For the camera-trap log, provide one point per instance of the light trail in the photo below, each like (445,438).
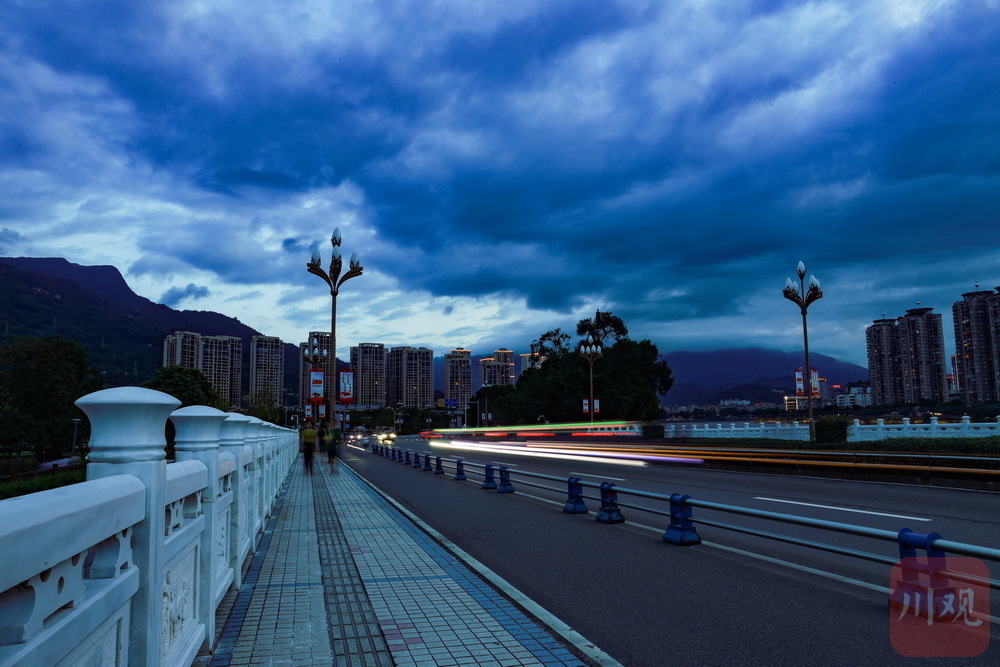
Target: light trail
(572,455)
(493,449)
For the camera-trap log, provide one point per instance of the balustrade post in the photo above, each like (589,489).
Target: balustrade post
(197,439)
(127,437)
(966,425)
(252,438)
(231,441)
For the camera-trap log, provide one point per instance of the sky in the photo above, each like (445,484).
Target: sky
(504,168)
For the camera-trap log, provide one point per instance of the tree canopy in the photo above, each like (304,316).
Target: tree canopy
(40,378)
(628,378)
(187,385)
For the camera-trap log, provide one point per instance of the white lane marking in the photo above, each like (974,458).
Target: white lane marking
(843,509)
(583,474)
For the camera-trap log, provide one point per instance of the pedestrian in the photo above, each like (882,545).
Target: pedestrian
(307,444)
(331,443)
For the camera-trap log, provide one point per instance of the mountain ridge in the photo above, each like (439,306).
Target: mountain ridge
(123,332)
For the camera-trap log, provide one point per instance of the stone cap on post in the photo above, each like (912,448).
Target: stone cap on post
(233,430)
(127,424)
(197,427)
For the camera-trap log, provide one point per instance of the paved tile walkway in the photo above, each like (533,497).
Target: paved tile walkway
(342,577)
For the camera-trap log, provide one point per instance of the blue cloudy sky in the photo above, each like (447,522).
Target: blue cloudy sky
(504,168)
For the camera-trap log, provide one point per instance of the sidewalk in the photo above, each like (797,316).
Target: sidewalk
(340,576)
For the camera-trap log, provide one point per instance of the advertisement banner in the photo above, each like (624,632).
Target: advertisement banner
(597,406)
(799,389)
(346,386)
(586,406)
(316,384)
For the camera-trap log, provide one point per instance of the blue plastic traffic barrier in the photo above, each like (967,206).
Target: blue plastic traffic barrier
(408,460)
(459,469)
(609,512)
(416,460)
(922,587)
(681,530)
(427,463)
(574,500)
(505,485)
(489,481)
(438,468)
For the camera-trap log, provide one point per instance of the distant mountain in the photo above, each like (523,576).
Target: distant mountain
(708,376)
(122,331)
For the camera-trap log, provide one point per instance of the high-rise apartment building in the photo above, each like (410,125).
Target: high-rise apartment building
(923,363)
(882,355)
(458,377)
(222,364)
(907,363)
(267,370)
(409,377)
(322,342)
(977,343)
(498,369)
(368,364)
(219,358)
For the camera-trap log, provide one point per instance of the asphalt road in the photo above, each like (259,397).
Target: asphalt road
(729,600)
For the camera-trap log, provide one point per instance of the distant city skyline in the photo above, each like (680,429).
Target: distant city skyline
(505,171)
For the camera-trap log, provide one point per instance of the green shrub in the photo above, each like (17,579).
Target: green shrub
(22,487)
(832,429)
(652,430)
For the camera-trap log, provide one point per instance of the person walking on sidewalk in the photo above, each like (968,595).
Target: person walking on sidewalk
(307,445)
(331,443)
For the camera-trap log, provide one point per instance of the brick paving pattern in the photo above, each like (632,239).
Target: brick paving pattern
(340,577)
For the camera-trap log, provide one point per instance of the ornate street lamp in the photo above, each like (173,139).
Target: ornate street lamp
(802,297)
(334,280)
(317,360)
(591,351)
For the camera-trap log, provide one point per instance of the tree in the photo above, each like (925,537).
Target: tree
(187,385)
(552,343)
(40,378)
(628,379)
(601,327)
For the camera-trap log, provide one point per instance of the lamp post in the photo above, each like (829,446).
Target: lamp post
(334,280)
(802,297)
(591,351)
(317,360)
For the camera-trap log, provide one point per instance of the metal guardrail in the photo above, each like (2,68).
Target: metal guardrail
(681,529)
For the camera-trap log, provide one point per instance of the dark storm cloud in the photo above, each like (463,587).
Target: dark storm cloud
(671,160)
(175,295)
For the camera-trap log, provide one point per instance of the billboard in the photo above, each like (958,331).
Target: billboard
(316,385)
(346,386)
(813,382)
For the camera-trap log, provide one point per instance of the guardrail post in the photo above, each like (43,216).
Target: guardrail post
(416,460)
(681,530)
(427,463)
(913,592)
(459,469)
(489,481)
(574,500)
(609,512)
(407,460)
(438,468)
(505,485)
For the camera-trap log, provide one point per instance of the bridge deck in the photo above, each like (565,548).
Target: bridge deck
(341,576)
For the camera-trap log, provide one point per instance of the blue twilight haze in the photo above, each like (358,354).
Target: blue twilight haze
(504,168)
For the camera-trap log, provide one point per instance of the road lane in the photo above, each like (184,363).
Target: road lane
(565,561)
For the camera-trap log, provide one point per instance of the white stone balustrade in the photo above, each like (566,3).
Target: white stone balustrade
(774,431)
(856,432)
(130,566)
